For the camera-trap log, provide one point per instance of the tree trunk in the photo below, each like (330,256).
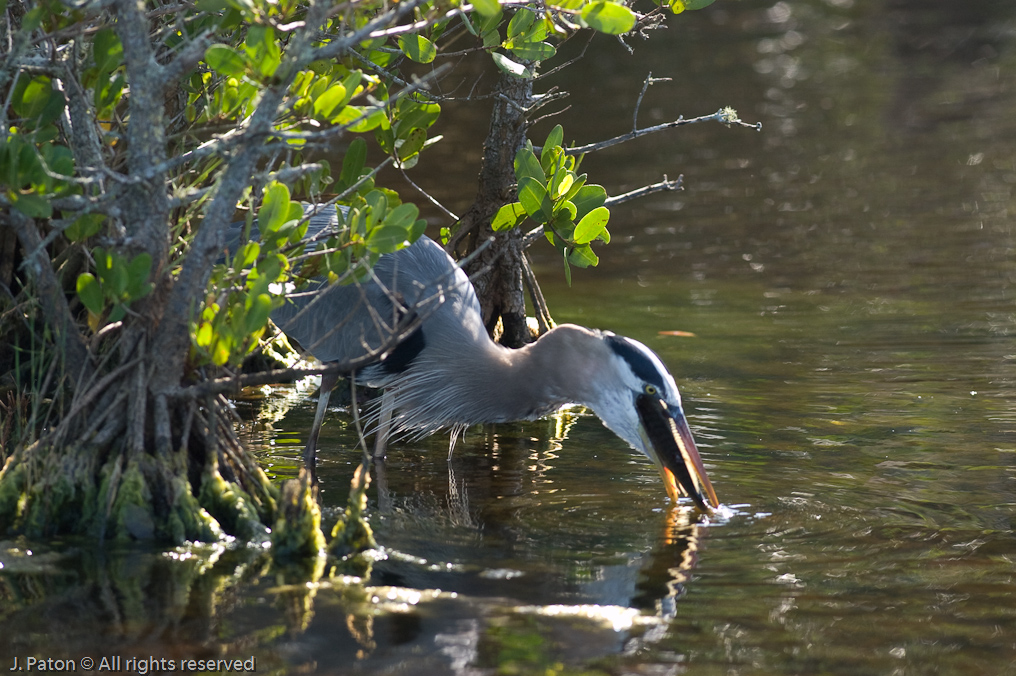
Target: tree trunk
(496,271)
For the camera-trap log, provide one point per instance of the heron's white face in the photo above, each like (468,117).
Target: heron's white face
(638,400)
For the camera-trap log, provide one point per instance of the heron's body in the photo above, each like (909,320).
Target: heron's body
(448,373)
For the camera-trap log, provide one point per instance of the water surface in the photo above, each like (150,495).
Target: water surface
(847,276)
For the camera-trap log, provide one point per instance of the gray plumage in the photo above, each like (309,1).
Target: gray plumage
(448,373)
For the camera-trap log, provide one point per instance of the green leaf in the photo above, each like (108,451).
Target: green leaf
(511,67)
(385,139)
(274,210)
(258,312)
(678,6)
(487,7)
(564,212)
(608,17)
(413,143)
(567,268)
(533,51)
(520,23)
(37,101)
(418,48)
(225,60)
(491,39)
(108,91)
(90,293)
(554,140)
(329,101)
(33,19)
(412,114)
(561,184)
(118,278)
(297,229)
(360,119)
(270,267)
(84,227)
(118,312)
(352,164)
(583,257)
(351,82)
(262,50)
(107,51)
(579,183)
(508,217)
(387,238)
(527,166)
(137,272)
(32,205)
(591,225)
(417,229)
(60,159)
(378,205)
(247,254)
(203,337)
(587,198)
(535,200)
(403,216)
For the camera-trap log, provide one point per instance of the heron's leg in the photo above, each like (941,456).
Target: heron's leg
(384,496)
(384,424)
(328,381)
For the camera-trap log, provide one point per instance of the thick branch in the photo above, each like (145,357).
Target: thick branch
(146,207)
(54,303)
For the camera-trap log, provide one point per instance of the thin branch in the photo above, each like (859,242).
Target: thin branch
(564,65)
(664,185)
(725,116)
(650,80)
(540,308)
(430,198)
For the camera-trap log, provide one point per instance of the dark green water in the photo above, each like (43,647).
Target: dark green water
(848,275)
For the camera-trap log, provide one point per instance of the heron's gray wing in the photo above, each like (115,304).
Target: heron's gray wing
(342,322)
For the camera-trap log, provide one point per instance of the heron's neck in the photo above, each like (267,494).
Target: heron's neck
(537,379)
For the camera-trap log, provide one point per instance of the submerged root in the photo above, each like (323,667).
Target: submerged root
(167,472)
(297,532)
(352,534)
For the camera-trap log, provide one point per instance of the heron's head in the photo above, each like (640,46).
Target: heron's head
(636,397)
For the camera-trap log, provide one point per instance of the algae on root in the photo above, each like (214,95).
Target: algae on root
(352,533)
(297,532)
(229,506)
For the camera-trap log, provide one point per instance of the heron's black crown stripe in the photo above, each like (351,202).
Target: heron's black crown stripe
(641,365)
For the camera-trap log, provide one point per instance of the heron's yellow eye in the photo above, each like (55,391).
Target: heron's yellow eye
(650,389)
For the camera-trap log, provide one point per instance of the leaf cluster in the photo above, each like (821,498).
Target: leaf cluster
(553,194)
(290,80)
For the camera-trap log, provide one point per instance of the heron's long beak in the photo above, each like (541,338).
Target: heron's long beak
(668,438)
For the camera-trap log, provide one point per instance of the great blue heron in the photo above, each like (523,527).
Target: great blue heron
(447,373)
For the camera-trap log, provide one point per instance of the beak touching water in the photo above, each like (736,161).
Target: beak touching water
(673,450)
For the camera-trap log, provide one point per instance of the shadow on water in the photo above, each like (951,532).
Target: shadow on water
(848,277)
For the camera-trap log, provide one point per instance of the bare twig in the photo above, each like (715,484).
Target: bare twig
(665,184)
(650,80)
(540,309)
(430,198)
(727,116)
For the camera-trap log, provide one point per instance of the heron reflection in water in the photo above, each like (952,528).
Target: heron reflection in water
(447,373)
